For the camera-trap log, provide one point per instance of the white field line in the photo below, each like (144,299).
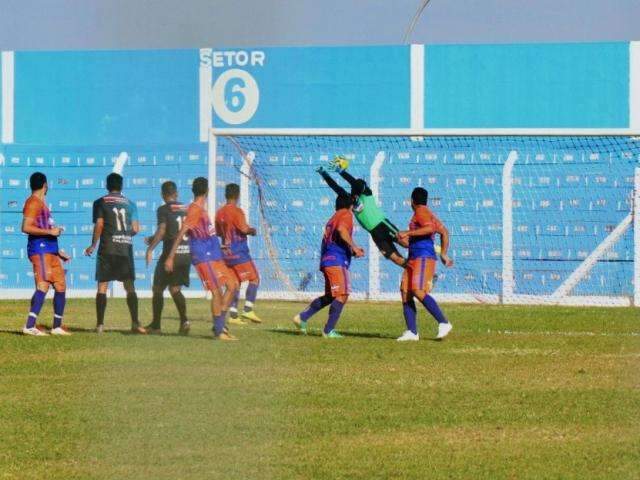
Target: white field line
(566,334)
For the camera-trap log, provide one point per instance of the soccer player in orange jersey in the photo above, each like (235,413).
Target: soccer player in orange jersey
(417,279)
(335,258)
(45,256)
(206,257)
(232,228)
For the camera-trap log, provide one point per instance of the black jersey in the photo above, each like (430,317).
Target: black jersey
(172,215)
(118,214)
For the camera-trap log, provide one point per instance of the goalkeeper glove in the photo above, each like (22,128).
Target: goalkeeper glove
(339,163)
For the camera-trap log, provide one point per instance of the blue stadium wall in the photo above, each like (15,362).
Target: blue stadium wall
(73,112)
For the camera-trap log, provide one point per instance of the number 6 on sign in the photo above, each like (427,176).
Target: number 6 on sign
(235,96)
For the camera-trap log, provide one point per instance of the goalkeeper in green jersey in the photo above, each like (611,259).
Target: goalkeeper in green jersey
(367,212)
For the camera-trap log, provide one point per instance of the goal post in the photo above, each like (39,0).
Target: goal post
(537,216)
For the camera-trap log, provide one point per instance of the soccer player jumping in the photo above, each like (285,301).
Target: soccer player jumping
(367,212)
(43,252)
(335,258)
(170,219)
(417,278)
(206,256)
(231,226)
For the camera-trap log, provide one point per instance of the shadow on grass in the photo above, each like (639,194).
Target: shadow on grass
(296,333)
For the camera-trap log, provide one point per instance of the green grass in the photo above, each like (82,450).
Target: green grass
(514,393)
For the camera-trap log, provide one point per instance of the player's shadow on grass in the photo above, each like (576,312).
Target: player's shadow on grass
(11,332)
(295,333)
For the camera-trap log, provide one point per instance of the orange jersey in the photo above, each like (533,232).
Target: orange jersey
(230,225)
(423,246)
(203,243)
(37,210)
(334,252)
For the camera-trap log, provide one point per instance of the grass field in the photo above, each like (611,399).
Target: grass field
(513,393)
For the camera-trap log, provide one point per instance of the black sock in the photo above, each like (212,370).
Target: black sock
(132,303)
(101,307)
(157,303)
(181,305)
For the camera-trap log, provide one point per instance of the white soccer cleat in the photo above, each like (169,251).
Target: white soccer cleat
(408,336)
(443,330)
(34,332)
(60,332)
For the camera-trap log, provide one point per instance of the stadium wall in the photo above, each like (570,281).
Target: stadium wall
(70,113)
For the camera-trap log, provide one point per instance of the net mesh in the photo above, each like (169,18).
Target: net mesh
(570,194)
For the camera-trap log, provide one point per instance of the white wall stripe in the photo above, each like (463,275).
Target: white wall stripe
(7,60)
(417,86)
(634,85)
(206,76)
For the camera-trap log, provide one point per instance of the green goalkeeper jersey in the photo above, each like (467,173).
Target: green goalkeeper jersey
(367,212)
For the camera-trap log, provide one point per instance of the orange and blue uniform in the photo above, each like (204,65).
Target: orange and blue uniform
(421,265)
(335,255)
(206,255)
(230,225)
(43,249)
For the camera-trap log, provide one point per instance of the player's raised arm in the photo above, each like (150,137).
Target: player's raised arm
(331,182)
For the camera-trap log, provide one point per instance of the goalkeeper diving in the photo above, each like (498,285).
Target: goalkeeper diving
(366,210)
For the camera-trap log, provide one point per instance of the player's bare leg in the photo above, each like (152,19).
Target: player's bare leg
(101,305)
(132,304)
(231,290)
(397,259)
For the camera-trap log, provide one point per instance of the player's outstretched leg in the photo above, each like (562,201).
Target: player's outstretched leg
(132,304)
(300,320)
(101,305)
(181,306)
(335,310)
(37,300)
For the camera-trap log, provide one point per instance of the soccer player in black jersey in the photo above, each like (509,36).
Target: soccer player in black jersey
(115,220)
(170,219)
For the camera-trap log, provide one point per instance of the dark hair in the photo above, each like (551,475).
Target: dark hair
(359,186)
(37,181)
(114,182)
(419,196)
(343,201)
(200,186)
(169,188)
(231,191)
